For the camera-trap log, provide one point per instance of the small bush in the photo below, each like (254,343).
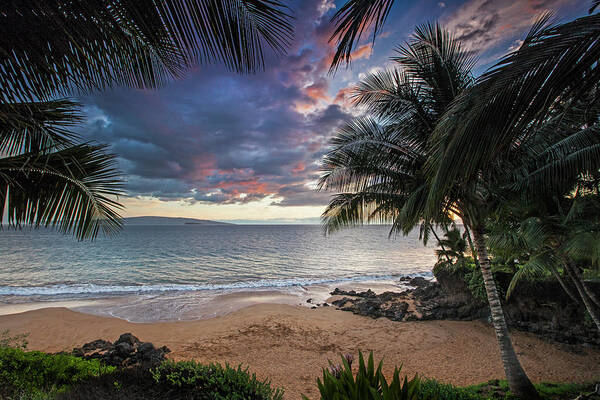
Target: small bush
(339,382)
(214,381)
(440,391)
(498,390)
(36,373)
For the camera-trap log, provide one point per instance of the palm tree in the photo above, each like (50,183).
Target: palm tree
(453,246)
(546,114)
(507,116)
(52,49)
(548,234)
(554,69)
(377,163)
(381,167)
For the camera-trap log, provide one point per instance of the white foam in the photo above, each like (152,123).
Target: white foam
(94,289)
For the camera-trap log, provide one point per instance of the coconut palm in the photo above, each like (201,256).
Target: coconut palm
(551,234)
(380,165)
(52,49)
(546,112)
(376,162)
(507,116)
(453,246)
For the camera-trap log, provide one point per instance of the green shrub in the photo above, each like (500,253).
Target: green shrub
(35,372)
(339,382)
(214,381)
(433,389)
(498,390)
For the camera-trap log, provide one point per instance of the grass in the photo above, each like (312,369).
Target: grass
(498,390)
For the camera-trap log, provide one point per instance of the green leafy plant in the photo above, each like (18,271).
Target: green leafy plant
(35,372)
(215,381)
(443,391)
(339,382)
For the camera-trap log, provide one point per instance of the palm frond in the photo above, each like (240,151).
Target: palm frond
(354,20)
(377,161)
(555,64)
(84,45)
(584,244)
(72,189)
(355,209)
(534,268)
(435,56)
(39,126)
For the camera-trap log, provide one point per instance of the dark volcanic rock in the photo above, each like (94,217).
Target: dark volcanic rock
(126,351)
(542,307)
(367,294)
(375,306)
(98,344)
(127,338)
(418,281)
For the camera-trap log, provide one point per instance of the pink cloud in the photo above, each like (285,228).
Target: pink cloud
(363,51)
(318,91)
(299,168)
(483,24)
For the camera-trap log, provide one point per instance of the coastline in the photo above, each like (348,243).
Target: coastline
(263,336)
(198,304)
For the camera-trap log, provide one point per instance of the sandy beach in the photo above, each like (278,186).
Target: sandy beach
(289,344)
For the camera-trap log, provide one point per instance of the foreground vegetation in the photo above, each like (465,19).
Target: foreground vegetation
(36,375)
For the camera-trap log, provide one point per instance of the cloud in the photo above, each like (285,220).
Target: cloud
(220,138)
(362,51)
(484,24)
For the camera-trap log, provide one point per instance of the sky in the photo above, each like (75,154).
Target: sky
(246,148)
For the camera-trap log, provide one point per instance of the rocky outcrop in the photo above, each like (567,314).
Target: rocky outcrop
(126,351)
(539,307)
(388,304)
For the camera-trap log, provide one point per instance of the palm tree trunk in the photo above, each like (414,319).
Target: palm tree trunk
(589,306)
(473,252)
(563,284)
(518,382)
(585,287)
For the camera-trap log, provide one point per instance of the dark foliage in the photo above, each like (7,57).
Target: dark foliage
(36,372)
(176,381)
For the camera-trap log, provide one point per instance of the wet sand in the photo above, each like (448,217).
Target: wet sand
(290,344)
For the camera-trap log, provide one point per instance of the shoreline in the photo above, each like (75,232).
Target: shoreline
(199,304)
(290,344)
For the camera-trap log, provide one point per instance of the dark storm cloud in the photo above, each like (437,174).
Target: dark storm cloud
(220,138)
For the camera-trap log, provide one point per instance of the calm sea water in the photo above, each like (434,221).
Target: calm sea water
(41,265)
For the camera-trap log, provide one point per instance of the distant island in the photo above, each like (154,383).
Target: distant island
(170,221)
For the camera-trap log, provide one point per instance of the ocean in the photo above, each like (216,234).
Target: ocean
(149,273)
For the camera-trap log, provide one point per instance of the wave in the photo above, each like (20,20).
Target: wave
(94,289)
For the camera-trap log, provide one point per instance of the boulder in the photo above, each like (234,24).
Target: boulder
(127,338)
(126,351)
